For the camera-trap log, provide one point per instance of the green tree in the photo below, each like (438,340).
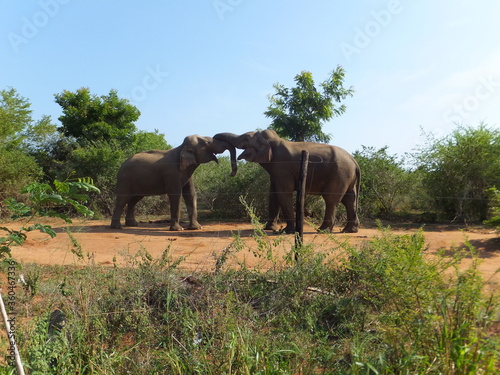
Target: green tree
(15,117)
(385,183)
(97,134)
(145,141)
(459,168)
(38,134)
(90,118)
(17,167)
(298,113)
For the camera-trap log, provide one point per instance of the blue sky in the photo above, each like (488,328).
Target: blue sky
(207,66)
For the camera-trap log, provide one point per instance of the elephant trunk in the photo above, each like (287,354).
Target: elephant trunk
(234,139)
(234,165)
(221,145)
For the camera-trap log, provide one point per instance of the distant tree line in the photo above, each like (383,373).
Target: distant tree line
(452,178)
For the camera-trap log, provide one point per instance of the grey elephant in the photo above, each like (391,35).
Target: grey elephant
(332,173)
(168,172)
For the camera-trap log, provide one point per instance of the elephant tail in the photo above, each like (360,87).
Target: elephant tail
(358,183)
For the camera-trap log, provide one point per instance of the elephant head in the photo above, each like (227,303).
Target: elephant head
(257,145)
(197,150)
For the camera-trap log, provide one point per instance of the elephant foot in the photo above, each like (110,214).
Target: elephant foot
(272,226)
(131,223)
(325,228)
(176,227)
(116,225)
(194,226)
(349,229)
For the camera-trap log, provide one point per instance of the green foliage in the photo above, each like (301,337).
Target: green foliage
(219,192)
(428,322)
(16,170)
(17,167)
(494,220)
(459,168)
(145,141)
(90,118)
(15,117)
(45,201)
(385,183)
(37,135)
(382,308)
(298,113)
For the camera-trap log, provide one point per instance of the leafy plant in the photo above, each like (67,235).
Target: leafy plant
(459,168)
(45,201)
(219,193)
(494,220)
(386,185)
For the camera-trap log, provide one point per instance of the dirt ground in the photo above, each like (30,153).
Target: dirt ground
(103,245)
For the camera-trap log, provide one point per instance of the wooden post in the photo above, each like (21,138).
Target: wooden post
(301,193)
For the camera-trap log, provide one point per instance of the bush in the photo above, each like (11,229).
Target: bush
(494,220)
(17,169)
(386,186)
(459,168)
(428,315)
(219,192)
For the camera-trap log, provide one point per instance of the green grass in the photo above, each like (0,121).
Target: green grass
(381,308)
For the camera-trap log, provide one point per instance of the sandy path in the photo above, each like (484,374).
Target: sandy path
(104,244)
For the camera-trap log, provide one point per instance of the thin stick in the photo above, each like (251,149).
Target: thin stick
(11,338)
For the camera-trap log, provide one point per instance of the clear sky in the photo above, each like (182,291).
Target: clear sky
(207,66)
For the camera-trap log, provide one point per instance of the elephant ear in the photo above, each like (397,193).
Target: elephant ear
(264,152)
(187,158)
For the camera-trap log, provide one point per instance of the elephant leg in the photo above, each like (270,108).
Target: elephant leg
(285,201)
(274,210)
(175,209)
(332,200)
(189,194)
(350,203)
(120,203)
(130,215)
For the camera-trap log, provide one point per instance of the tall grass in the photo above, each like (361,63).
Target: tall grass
(380,308)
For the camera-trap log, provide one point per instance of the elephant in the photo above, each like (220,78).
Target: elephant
(168,172)
(332,173)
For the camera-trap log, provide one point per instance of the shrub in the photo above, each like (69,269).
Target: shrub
(17,169)
(219,192)
(424,318)
(459,168)
(386,186)
(494,220)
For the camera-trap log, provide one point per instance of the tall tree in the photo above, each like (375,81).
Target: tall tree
(15,117)
(90,118)
(299,113)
